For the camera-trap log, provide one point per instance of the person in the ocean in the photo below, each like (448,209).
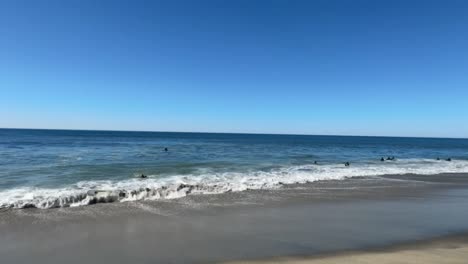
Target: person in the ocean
(143,176)
(382,159)
(166,150)
(315,162)
(346,164)
(449,159)
(438,158)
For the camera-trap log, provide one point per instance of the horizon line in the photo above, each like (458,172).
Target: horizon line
(235,133)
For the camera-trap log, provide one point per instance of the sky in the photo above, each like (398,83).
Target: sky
(349,67)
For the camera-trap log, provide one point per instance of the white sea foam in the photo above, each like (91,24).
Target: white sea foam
(89,192)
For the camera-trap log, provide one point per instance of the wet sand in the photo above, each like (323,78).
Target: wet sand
(297,220)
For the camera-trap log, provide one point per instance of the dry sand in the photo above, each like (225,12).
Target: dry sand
(453,250)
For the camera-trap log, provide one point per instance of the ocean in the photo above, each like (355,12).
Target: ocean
(66,168)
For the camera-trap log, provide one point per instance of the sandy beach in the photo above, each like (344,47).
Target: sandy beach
(445,249)
(449,249)
(335,219)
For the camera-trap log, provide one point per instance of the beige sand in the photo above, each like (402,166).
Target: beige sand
(446,250)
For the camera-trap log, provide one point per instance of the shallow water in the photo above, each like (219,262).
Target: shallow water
(56,168)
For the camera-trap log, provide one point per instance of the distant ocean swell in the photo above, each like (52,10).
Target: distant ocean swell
(154,188)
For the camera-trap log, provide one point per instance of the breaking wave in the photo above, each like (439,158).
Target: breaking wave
(153,188)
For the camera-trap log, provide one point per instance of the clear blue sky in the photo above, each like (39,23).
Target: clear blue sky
(311,67)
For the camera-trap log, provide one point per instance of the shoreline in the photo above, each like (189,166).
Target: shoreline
(151,189)
(444,249)
(316,219)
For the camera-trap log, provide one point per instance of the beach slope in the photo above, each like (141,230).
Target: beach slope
(452,249)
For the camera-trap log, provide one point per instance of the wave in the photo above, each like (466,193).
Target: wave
(153,188)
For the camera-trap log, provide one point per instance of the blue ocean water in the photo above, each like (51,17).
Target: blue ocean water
(54,168)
